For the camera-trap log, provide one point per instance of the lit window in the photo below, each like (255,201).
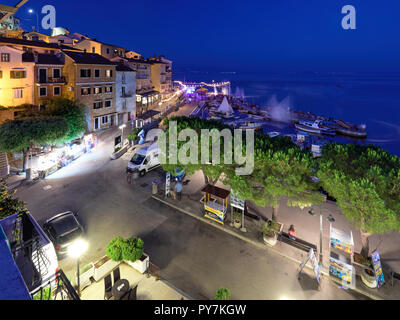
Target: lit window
(17,74)
(5,57)
(97,90)
(85,91)
(109,73)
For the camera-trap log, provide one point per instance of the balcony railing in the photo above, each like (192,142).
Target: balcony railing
(53,80)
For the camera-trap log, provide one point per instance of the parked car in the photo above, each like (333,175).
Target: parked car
(63,229)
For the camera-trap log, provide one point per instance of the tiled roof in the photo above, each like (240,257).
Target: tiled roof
(42,59)
(122,67)
(30,43)
(88,58)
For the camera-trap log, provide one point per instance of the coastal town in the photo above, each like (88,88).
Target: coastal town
(94,206)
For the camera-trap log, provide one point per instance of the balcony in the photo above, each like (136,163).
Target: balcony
(53,80)
(126,95)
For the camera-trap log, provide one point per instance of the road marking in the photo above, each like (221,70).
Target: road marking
(48,187)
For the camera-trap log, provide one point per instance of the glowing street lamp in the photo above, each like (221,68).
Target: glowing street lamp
(37,18)
(75,250)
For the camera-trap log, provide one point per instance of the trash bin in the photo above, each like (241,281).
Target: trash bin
(28,174)
(155,187)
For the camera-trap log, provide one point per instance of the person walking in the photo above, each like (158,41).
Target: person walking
(178,189)
(292,232)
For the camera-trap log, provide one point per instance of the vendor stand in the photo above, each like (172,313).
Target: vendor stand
(214,210)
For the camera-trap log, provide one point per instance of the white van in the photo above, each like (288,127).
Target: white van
(145,159)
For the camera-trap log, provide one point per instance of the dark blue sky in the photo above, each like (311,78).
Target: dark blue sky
(233,35)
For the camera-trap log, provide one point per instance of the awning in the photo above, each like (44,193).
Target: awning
(148,114)
(215,191)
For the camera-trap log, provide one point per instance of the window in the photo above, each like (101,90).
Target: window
(1,74)
(97,73)
(109,73)
(104,119)
(56,91)
(97,90)
(123,91)
(85,73)
(98,105)
(42,92)
(108,50)
(56,73)
(85,91)
(18,93)
(5,57)
(17,74)
(109,89)
(108,103)
(93,50)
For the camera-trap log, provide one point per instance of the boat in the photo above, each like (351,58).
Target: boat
(315,127)
(250,125)
(273,134)
(351,130)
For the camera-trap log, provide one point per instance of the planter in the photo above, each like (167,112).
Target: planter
(271,241)
(104,266)
(116,155)
(141,264)
(368,278)
(85,274)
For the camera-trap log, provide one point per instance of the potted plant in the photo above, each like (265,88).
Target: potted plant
(368,276)
(112,259)
(237,223)
(222,294)
(132,254)
(119,151)
(132,137)
(269,234)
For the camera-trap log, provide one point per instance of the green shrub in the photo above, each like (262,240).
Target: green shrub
(114,249)
(132,249)
(46,294)
(222,294)
(117,149)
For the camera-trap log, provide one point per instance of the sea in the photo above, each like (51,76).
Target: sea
(371,99)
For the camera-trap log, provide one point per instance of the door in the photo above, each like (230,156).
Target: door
(96,123)
(43,75)
(112,120)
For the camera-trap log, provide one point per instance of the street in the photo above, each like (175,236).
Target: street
(193,256)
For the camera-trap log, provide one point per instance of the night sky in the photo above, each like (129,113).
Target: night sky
(233,35)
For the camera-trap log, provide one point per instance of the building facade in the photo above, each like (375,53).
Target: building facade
(108,51)
(125,94)
(161,75)
(91,80)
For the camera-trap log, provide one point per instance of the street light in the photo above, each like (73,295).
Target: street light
(75,250)
(37,18)
(311,212)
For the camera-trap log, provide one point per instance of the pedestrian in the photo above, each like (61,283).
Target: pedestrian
(178,189)
(172,190)
(292,232)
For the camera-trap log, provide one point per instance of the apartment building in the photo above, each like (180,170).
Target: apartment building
(161,75)
(48,76)
(108,51)
(91,80)
(125,94)
(16,78)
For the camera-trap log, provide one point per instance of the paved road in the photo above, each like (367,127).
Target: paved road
(193,256)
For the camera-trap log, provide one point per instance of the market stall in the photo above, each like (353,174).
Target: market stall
(214,210)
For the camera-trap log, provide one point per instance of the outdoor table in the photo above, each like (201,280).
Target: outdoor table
(120,288)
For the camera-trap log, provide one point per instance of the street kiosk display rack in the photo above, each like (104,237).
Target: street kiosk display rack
(341,270)
(342,241)
(376,262)
(214,210)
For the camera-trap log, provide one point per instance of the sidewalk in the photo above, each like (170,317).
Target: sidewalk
(191,205)
(148,287)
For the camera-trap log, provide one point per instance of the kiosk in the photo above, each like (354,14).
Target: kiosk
(214,210)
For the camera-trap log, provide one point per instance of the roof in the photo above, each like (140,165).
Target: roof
(88,58)
(148,93)
(12,285)
(32,43)
(106,44)
(139,61)
(42,59)
(215,191)
(122,67)
(148,114)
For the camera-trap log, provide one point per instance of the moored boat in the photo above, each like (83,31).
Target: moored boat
(315,127)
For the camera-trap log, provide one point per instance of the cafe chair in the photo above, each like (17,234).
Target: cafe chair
(107,287)
(116,274)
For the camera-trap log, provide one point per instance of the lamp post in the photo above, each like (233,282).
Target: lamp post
(37,18)
(75,250)
(311,212)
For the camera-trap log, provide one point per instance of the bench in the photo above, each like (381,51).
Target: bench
(298,243)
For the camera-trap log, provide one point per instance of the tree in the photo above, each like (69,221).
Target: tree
(365,181)
(210,171)
(72,112)
(19,135)
(222,294)
(281,170)
(8,204)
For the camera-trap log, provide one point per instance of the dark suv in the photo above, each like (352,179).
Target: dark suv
(63,229)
